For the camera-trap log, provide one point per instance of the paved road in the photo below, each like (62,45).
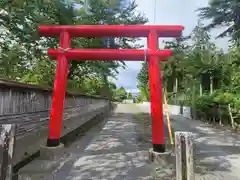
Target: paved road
(110,151)
(112,154)
(218,150)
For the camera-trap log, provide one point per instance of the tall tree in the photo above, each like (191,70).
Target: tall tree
(129,95)
(23,54)
(173,70)
(120,94)
(204,64)
(142,79)
(223,13)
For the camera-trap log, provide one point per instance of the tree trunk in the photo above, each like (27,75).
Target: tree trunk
(231,117)
(220,121)
(176,89)
(211,84)
(220,115)
(176,85)
(106,92)
(200,89)
(194,115)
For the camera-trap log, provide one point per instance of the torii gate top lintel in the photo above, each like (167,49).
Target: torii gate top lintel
(152,32)
(111,30)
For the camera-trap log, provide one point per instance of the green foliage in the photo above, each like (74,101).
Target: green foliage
(139,99)
(223,98)
(223,13)
(142,79)
(200,75)
(129,95)
(23,54)
(120,94)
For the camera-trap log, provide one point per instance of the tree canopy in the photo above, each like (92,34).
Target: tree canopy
(223,13)
(23,54)
(199,74)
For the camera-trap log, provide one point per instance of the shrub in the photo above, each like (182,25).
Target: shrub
(214,107)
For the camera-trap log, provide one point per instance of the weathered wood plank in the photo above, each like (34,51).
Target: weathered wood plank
(178,152)
(7,141)
(28,107)
(190,156)
(33,121)
(15,101)
(184,156)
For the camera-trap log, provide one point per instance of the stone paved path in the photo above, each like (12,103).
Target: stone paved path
(112,154)
(111,151)
(217,149)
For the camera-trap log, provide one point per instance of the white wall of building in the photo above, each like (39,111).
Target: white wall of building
(172,109)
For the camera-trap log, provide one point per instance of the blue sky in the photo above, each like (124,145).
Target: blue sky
(168,12)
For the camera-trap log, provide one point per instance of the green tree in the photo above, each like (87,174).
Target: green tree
(173,69)
(129,95)
(23,54)
(120,94)
(142,79)
(223,13)
(203,60)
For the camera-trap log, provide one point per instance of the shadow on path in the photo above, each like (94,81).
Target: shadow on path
(113,153)
(217,151)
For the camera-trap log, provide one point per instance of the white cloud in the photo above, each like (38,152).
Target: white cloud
(127,77)
(168,12)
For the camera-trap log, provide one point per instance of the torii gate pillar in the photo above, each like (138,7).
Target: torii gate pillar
(155,86)
(65,53)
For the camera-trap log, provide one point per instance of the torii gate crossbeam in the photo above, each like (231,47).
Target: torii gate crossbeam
(64,53)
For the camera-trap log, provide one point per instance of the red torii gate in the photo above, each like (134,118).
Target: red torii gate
(64,53)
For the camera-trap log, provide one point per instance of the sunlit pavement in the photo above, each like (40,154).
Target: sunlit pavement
(113,152)
(217,150)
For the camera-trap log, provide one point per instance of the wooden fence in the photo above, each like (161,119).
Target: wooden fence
(28,106)
(17,98)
